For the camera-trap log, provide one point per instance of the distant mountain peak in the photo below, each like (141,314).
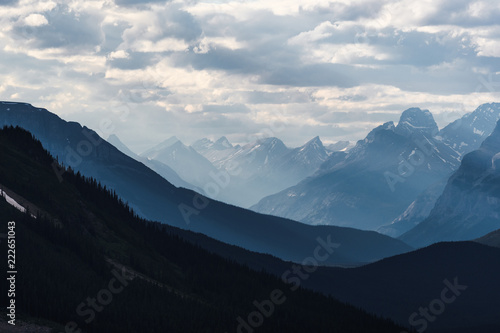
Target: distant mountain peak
(340,146)
(315,144)
(222,143)
(416,120)
(170,141)
(163,145)
(315,140)
(115,141)
(489,108)
(467,133)
(388,126)
(488,113)
(202,144)
(176,144)
(269,142)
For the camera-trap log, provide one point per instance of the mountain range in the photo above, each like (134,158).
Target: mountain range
(375,181)
(464,135)
(154,198)
(263,167)
(395,174)
(86,263)
(161,168)
(84,221)
(191,166)
(389,181)
(470,204)
(84,236)
(254,170)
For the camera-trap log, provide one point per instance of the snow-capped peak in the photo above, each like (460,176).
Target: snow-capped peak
(415,120)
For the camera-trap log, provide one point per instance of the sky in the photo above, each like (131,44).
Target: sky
(148,70)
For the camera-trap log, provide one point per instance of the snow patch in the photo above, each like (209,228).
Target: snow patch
(476,131)
(14,203)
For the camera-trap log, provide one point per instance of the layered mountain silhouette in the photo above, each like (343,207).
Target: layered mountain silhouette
(416,212)
(152,197)
(162,169)
(191,166)
(491,239)
(446,287)
(374,182)
(263,167)
(87,263)
(470,204)
(85,231)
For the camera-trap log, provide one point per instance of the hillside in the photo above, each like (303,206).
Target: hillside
(398,287)
(154,198)
(89,238)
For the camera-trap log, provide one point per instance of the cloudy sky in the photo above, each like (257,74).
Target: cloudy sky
(287,68)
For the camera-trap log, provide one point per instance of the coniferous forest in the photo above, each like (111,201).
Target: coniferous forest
(83,236)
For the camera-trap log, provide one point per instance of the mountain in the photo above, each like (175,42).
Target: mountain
(88,264)
(339,146)
(415,121)
(222,144)
(463,135)
(184,160)
(115,141)
(154,198)
(491,239)
(162,169)
(469,206)
(256,157)
(263,167)
(216,152)
(443,288)
(416,212)
(205,144)
(303,161)
(372,183)
(467,133)
(162,145)
(290,168)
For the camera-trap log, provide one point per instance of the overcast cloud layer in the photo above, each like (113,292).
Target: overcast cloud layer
(288,68)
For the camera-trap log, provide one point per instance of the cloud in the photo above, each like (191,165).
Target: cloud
(465,13)
(131,60)
(212,68)
(61,27)
(137,2)
(120,54)
(310,75)
(8,2)
(226,109)
(35,20)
